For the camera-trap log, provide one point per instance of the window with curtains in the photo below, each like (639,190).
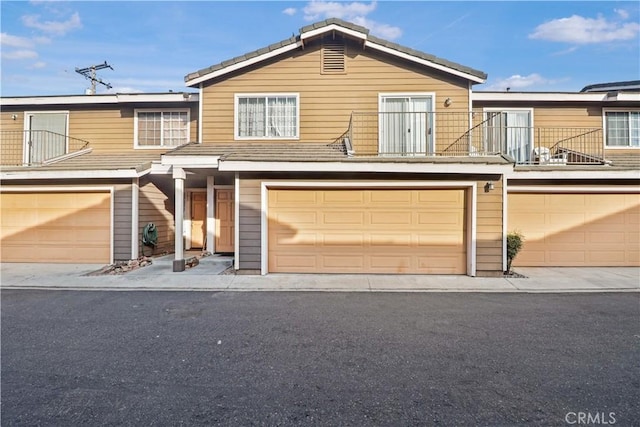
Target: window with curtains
(622,128)
(267,116)
(161,128)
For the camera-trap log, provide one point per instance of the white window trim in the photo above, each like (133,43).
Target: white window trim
(158,110)
(237,96)
(25,147)
(432,95)
(604,128)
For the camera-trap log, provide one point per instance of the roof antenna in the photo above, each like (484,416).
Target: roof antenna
(90,74)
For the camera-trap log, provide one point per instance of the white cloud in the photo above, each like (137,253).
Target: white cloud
(565,51)
(355,12)
(580,30)
(58,28)
(330,9)
(385,31)
(124,89)
(290,11)
(36,65)
(622,13)
(518,82)
(15,41)
(20,54)
(42,40)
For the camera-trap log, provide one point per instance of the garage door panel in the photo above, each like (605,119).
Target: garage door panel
(342,197)
(564,238)
(344,240)
(342,218)
(374,230)
(56,227)
(397,240)
(576,229)
(633,257)
(343,261)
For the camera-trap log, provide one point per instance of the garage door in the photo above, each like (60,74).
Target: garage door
(568,230)
(56,227)
(400,231)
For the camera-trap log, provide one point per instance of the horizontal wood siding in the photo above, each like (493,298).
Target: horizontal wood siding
(568,117)
(122,222)
(326,100)
(156,205)
(250,217)
(489,230)
(112,130)
(11,143)
(108,128)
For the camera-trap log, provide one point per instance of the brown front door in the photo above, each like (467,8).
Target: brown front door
(198,219)
(224,221)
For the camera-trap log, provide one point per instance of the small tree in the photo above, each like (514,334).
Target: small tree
(514,244)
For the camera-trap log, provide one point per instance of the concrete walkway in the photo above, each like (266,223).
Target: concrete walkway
(207,277)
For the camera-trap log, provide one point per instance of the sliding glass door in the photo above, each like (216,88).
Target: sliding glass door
(406,125)
(509,132)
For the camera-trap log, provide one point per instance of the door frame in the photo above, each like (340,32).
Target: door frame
(470,205)
(26,149)
(235,217)
(503,148)
(430,140)
(187,215)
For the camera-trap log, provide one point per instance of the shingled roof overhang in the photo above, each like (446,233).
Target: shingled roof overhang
(321,157)
(349,30)
(87,166)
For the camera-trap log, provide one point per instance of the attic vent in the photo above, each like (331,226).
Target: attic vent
(333,57)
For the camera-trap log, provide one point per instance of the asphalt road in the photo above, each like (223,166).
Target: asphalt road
(199,358)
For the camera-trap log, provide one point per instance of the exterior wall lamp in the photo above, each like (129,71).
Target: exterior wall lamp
(488,186)
(448,102)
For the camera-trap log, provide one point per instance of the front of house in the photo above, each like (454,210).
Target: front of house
(338,152)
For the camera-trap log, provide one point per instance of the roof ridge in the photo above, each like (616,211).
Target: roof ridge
(294,39)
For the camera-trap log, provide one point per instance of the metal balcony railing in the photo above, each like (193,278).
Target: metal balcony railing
(33,147)
(458,134)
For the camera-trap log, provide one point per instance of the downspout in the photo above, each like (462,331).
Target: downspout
(200,101)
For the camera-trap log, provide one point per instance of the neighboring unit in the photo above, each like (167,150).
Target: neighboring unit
(81,175)
(332,151)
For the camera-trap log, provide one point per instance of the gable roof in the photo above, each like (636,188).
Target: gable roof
(327,26)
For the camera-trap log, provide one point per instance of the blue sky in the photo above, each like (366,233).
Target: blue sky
(152,45)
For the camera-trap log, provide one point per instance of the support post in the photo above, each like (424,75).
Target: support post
(179,177)
(211,218)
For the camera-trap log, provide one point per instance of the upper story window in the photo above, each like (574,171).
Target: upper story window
(267,116)
(161,128)
(622,129)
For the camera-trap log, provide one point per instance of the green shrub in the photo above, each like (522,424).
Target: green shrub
(515,241)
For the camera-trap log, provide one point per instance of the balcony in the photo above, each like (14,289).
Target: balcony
(406,134)
(35,147)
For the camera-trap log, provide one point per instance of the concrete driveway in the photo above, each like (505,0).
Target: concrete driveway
(206,276)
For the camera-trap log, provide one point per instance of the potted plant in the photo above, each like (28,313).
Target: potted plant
(515,241)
